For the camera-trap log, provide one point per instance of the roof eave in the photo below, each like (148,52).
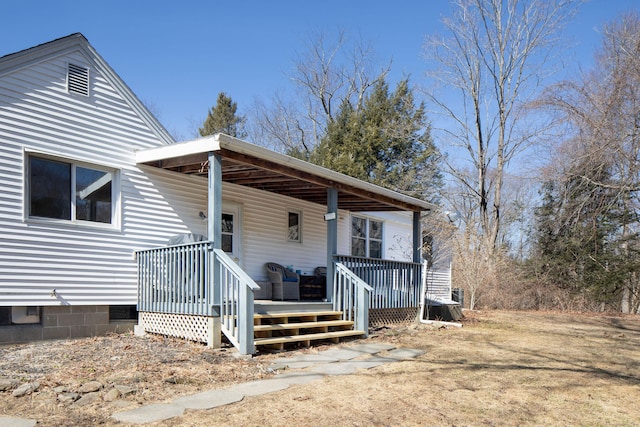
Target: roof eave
(220,142)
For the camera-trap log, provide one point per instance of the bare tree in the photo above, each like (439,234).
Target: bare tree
(326,75)
(601,113)
(493,57)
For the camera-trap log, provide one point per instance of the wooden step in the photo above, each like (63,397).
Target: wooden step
(302,325)
(307,338)
(278,315)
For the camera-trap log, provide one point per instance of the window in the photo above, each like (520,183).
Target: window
(294,229)
(19,315)
(427,248)
(23,315)
(366,237)
(5,316)
(67,191)
(122,312)
(227,233)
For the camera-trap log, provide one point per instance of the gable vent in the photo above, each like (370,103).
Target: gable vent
(78,80)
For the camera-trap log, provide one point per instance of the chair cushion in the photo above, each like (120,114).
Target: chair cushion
(289,279)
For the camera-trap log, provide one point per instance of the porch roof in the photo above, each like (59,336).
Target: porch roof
(247,164)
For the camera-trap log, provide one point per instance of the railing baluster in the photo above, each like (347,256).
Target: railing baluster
(395,284)
(174,279)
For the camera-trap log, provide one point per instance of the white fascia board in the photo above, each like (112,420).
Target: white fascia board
(197,146)
(222,141)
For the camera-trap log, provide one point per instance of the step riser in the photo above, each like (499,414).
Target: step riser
(275,329)
(287,306)
(304,325)
(308,337)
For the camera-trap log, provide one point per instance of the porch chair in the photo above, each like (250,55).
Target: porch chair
(286,283)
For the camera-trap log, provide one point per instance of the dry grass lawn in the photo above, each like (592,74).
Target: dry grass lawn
(500,369)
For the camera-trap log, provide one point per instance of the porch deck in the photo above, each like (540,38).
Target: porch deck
(198,287)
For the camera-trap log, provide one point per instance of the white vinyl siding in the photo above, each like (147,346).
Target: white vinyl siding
(43,264)
(265,231)
(438,283)
(265,228)
(82,264)
(397,234)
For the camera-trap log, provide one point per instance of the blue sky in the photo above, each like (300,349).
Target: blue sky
(178,55)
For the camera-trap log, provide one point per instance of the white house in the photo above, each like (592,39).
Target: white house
(91,184)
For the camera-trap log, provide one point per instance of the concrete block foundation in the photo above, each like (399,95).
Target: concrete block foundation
(62,322)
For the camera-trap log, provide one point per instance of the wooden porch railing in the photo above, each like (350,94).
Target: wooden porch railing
(351,297)
(176,280)
(236,310)
(395,284)
(173,279)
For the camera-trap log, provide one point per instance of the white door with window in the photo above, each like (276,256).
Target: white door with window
(232,231)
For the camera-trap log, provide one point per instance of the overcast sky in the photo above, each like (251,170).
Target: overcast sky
(178,55)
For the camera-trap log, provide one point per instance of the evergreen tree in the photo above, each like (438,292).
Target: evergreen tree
(578,241)
(223,118)
(386,142)
(601,186)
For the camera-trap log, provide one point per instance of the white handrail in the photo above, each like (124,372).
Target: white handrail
(236,302)
(351,297)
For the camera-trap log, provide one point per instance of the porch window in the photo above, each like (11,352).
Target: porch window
(227,233)
(294,229)
(68,191)
(366,237)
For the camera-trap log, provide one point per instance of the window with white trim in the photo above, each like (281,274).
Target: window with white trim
(294,226)
(366,237)
(62,190)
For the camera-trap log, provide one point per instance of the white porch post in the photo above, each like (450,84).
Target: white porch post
(214,231)
(332,237)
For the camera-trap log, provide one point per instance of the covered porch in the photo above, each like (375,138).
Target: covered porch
(199,282)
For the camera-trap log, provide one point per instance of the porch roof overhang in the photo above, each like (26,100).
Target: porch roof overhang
(247,164)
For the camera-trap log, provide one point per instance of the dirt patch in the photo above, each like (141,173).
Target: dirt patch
(501,368)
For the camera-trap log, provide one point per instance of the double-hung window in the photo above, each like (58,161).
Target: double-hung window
(366,237)
(62,190)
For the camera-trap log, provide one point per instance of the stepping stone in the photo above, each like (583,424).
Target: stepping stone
(255,388)
(344,368)
(382,359)
(372,348)
(149,413)
(209,399)
(302,361)
(16,422)
(404,353)
(342,353)
(293,378)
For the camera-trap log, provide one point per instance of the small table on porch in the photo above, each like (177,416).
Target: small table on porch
(313,288)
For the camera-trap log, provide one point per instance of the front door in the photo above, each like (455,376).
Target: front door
(232,232)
